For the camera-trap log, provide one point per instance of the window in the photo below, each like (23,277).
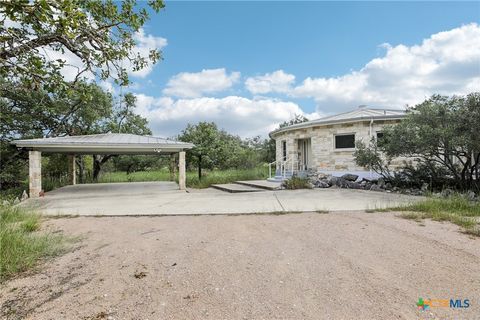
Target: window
(380,138)
(345,141)
(284,150)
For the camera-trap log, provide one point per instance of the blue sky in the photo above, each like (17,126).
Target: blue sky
(249,65)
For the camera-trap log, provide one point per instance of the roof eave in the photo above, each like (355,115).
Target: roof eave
(316,123)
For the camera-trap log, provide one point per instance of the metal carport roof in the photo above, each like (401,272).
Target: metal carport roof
(107,143)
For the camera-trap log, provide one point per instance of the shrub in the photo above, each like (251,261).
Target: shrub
(296,183)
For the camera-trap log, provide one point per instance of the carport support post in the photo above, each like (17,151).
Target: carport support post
(181,170)
(35,173)
(72,172)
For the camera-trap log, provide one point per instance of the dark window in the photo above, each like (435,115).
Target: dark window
(380,138)
(284,150)
(345,141)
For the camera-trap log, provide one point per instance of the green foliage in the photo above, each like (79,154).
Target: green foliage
(296,182)
(100,34)
(133,163)
(209,177)
(441,134)
(369,157)
(217,149)
(298,118)
(22,245)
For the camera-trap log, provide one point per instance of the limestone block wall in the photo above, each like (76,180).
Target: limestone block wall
(324,154)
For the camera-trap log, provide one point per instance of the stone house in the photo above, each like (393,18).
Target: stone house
(327,144)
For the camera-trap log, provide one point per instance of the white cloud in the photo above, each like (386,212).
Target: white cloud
(238,115)
(194,85)
(446,63)
(145,43)
(277,81)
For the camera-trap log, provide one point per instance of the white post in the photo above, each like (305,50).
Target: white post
(35,173)
(181,170)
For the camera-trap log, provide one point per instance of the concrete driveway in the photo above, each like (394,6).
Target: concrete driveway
(164,198)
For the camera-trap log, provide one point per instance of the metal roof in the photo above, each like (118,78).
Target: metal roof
(362,113)
(107,143)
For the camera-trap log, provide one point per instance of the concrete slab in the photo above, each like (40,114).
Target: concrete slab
(235,188)
(263,184)
(163,198)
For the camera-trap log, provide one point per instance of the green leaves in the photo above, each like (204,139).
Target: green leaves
(98,32)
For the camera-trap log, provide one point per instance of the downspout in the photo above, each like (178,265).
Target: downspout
(370,133)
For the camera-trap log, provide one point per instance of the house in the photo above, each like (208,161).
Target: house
(327,144)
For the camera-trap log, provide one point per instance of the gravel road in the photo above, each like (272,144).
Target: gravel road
(349,265)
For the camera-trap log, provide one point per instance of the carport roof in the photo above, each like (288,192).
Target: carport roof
(107,143)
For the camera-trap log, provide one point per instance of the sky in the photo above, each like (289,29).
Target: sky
(249,66)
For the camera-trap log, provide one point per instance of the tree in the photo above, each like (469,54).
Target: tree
(206,138)
(98,34)
(441,134)
(298,118)
(123,119)
(37,114)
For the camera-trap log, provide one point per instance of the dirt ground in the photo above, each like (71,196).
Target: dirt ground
(297,266)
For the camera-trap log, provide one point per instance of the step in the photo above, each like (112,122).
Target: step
(263,184)
(235,188)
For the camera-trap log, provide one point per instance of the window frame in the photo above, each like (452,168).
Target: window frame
(284,150)
(344,134)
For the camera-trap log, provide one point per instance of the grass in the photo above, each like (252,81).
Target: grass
(456,209)
(22,244)
(208,177)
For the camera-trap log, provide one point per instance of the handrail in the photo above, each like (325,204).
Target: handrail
(283,166)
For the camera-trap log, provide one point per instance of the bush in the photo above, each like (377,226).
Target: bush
(296,183)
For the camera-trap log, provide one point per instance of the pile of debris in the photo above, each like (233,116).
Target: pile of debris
(351,181)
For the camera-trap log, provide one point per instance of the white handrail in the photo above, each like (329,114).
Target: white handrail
(283,165)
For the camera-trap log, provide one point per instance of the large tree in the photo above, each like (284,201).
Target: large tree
(441,134)
(206,138)
(97,33)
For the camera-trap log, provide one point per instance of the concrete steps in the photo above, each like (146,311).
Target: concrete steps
(248,186)
(262,184)
(236,188)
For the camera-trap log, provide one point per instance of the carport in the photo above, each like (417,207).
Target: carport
(108,143)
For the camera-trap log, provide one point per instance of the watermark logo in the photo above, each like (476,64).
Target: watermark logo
(422,305)
(427,304)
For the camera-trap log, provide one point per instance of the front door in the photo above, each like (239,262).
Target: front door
(304,153)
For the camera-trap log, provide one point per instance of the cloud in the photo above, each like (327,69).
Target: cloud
(446,63)
(238,115)
(145,43)
(194,85)
(277,81)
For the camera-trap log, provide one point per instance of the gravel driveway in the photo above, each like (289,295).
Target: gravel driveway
(296,266)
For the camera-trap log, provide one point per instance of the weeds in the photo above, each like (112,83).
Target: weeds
(456,209)
(21,244)
(296,183)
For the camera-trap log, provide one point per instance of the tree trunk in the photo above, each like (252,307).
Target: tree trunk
(199,167)
(81,169)
(97,166)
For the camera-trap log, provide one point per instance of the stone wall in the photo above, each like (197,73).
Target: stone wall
(324,155)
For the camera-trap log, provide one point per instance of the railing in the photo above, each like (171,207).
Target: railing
(283,165)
